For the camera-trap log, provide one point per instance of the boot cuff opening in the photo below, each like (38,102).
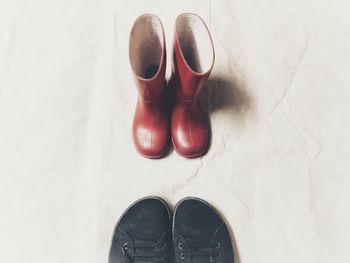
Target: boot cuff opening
(146,46)
(195,42)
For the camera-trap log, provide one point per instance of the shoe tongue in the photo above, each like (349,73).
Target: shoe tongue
(145,230)
(199,237)
(142,239)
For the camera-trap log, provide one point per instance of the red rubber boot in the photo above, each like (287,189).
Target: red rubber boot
(151,128)
(193,60)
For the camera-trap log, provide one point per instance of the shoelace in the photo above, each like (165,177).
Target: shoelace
(145,252)
(208,252)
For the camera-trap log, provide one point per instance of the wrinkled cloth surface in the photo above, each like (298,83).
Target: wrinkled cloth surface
(278,96)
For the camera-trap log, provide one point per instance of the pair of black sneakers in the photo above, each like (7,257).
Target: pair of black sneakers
(147,232)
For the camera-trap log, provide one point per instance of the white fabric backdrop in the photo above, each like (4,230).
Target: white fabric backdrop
(279,100)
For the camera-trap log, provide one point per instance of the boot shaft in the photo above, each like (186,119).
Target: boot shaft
(193,56)
(148,57)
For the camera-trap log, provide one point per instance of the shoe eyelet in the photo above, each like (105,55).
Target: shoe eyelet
(125,246)
(180,246)
(182,256)
(218,245)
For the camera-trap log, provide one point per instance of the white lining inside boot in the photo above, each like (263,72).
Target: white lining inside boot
(146,46)
(195,42)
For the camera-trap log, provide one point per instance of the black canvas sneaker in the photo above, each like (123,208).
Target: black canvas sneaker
(143,233)
(200,234)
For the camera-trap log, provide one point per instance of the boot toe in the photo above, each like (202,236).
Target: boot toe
(191,144)
(151,143)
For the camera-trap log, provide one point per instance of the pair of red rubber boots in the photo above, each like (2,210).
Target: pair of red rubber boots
(179,117)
